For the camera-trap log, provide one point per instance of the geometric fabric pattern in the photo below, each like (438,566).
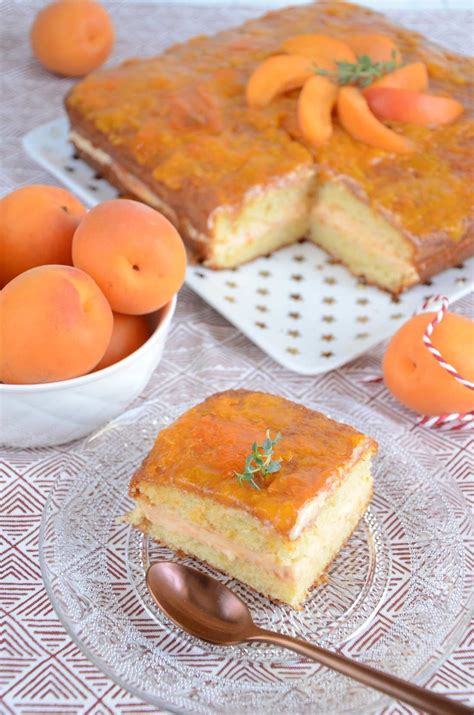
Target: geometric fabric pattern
(42,672)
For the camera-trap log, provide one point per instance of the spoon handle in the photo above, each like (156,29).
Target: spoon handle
(399,689)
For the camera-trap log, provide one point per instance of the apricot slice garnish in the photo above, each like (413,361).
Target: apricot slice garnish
(323,50)
(276,75)
(358,121)
(379,48)
(404,105)
(412,76)
(315,105)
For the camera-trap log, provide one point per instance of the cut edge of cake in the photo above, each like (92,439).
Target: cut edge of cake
(301,205)
(290,208)
(268,218)
(350,231)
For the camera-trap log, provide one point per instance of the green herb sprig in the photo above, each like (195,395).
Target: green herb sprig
(259,462)
(362,72)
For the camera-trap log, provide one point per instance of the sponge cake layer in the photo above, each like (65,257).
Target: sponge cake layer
(234,542)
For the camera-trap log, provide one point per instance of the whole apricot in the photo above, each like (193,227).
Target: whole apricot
(415,377)
(134,254)
(55,324)
(128,334)
(37,223)
(72,37)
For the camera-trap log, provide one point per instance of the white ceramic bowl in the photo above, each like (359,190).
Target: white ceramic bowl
(57,412)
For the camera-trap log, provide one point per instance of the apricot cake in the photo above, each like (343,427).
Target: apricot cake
(257,486)
(241,178)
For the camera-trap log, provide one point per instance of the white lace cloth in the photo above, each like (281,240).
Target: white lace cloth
(41,670)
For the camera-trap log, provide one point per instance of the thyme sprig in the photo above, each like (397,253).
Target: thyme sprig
(259,462)
(362,72)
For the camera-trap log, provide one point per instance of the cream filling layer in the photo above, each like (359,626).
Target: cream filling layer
(308,513)
(232,551)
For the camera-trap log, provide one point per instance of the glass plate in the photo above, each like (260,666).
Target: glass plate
(397,596)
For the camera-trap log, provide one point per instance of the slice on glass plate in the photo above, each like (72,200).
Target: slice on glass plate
(397,596)
(274,518)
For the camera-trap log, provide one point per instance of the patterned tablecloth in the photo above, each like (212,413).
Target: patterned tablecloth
(41,670)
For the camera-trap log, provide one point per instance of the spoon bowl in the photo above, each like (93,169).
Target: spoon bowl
(207,609)
(200,605)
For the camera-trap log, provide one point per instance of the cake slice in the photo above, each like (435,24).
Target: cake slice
(175,131)
(277,533)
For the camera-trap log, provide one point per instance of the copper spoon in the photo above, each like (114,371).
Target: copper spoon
(207,609)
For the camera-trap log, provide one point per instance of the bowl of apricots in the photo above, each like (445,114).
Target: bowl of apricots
(86,301)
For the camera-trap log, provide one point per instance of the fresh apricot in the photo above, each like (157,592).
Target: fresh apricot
(404,105)
(72,37)
(358,121)
(412,76)
(415,377)
(323,50)
(276,75)
(379,48)
(134,254)
(55,323)
(37,224)
(128,334)
(315,105)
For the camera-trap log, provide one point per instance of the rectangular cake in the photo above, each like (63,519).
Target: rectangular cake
(277,532)
(175,131)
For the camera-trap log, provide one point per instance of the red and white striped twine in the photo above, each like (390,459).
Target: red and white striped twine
(427,337)
(454,420)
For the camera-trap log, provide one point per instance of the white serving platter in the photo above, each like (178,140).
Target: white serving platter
(307,313)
